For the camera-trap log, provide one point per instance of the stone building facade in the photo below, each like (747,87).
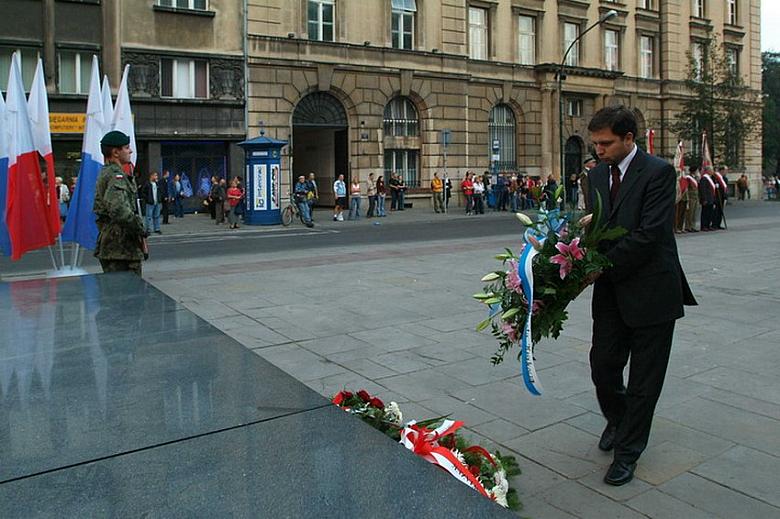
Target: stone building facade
(186,78)
(363,87)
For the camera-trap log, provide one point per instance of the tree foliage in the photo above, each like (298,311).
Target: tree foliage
(771,125)
(720,103)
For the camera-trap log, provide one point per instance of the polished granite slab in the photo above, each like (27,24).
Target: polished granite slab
(115,401)
(95,366)
(320,464)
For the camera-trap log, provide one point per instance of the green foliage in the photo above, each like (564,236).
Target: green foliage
(719,103)
(771,112)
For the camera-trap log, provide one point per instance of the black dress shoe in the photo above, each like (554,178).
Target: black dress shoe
(607,440)
(619,473)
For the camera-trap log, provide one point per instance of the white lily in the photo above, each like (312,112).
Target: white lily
(524,219)
(490,277)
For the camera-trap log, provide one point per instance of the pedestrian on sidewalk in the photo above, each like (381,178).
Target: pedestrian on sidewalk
(447,192)
(401,192)
(314,194)
(381,196)
(178,197)
(393,184)
(63,197)
(371,193)
(165,196)
(212,207)
(340,192)
(354,199)
(437,188)
(478,196)
(301,196)
(234,196)
(218,195)
(152,199)
(467,187)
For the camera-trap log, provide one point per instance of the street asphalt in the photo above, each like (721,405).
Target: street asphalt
(388,308)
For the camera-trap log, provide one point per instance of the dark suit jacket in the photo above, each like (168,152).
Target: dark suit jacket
(706,192)
(646,282)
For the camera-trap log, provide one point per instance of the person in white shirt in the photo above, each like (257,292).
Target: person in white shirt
(479,195)
(63,197)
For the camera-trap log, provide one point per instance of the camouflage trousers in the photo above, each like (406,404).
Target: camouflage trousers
(121,266)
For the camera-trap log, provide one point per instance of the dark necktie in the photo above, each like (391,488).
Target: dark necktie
(613,191)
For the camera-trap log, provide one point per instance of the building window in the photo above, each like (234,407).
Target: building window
(321,20)
(29,59)
(570,33)
(200,5)
(400,118)
(75,72)
(697,58)
(574,107)
(501,127)
(403,162)
(732,60)
(647,4)
(478,33)
(526,42)
(646,57)
(731,12)
(403,23)
(699,8)
(184,78)
(611,50)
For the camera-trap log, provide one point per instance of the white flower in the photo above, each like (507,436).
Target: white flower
(393,414)
(499,496)
(490,277)
(459,455)
(500,480)
(524,219)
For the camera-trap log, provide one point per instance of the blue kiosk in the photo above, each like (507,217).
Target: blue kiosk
(263,178)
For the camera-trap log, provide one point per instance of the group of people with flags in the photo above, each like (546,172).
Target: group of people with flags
(701,195)
(34,212)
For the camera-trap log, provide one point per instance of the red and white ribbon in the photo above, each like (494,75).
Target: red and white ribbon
(425,443)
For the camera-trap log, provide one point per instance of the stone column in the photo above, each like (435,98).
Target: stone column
(49,51)
(549,129)
(112,41)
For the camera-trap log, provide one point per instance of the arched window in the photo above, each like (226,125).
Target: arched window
(401,118)
(501,129)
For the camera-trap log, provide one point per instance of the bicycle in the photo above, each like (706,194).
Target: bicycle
(291,211)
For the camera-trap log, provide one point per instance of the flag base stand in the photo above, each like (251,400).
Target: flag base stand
(66,272)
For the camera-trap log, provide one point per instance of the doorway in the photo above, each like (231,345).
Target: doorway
(320,142)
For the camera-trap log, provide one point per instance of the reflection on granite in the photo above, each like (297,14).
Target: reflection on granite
(115,401)
(101,365)
(320,463)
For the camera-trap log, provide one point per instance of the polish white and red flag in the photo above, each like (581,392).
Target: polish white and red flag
(27,210)
(123,118)
(679,158)
(38,110)
(650,136)
(5,240)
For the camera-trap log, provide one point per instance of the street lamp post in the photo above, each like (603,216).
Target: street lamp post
(561,68)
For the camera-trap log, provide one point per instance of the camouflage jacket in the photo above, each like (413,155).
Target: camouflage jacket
(120,226)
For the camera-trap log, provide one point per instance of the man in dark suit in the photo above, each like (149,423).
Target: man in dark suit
(637,300)
(163,187)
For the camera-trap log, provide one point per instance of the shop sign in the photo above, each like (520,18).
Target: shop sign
(67,123)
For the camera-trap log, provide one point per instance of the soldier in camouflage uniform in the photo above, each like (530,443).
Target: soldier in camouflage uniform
(121,229)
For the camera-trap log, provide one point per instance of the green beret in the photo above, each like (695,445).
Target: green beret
(115,138)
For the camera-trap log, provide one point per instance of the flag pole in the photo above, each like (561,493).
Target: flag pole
(62,251)
(51,255)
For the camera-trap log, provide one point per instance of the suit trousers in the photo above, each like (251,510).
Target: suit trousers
(706,216)
(630,408)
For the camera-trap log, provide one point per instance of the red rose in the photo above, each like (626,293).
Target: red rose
(474,470)
(341,396)
(364,396)
(375,402)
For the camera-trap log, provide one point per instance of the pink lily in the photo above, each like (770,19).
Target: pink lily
(509,331)
(512,279)
(569,252)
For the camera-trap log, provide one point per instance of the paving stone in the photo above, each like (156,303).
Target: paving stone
(515,404)
(565,380)
(500,430)
(662,462)
(657,505)
(727,422)
(664,430)
(458,410)
(595,481)
(583,502)
(562,448)
(747,384)
(300,363)
(537,508)
(589,422)
(746,470)
(368,369)
(423,385)
(479,371)
(392,338)
(445,353)
(403,362)
(761,407)
(716,499)
(333,344)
